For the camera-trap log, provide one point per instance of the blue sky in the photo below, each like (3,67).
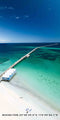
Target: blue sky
(29,21)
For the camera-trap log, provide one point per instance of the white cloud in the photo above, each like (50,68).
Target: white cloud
(17,17)
(26,16)
(6,8)
(4,41)
(20,17)
(10,8)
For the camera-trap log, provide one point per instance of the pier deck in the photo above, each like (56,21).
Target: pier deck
(27,55)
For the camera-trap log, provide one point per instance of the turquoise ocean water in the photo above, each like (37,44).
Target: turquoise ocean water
(40,72)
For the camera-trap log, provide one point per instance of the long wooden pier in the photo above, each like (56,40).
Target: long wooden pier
(27,55)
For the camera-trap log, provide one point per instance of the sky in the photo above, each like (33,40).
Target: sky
(29,21)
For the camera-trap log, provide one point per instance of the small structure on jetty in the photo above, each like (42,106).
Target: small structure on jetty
(9,74)
(27,55)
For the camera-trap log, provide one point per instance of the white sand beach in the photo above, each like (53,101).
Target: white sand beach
(17,104)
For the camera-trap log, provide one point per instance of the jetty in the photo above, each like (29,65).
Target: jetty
(26,56)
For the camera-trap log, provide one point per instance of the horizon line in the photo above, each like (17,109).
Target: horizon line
(26,42)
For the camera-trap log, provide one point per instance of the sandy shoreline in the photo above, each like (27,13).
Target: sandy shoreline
(17,101)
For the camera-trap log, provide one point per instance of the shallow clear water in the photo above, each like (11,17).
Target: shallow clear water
(40,72)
